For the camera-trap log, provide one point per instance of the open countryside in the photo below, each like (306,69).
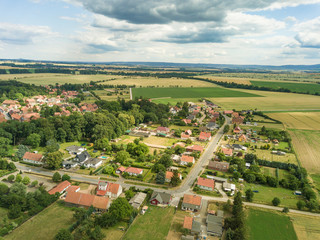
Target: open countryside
(189,93)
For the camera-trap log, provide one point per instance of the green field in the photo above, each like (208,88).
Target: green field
(267,225)
(44,225)
(154,225)
(310,88)
(188,93)
(266,194)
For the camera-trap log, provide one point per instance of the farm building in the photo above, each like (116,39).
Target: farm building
(60,188)
(214,224)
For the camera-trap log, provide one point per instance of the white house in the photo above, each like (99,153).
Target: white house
(34,158)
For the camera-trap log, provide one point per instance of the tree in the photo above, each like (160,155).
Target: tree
(249,195)
(301,204)
(175,180)
(102,144)
(161,177)
(11,178)
(96,234)
(166,160)
(14,211)
(56,177)
(22,149)
(52,146)
(19,189)
(276,201)
(129,194)
(33,140)
(54,159)
(236,176)
(26,180)
(120,209)
(34,183)
(18,178)
(312,204)
(226,129)
(250,178)
(65,177)
(309,193)
(63,234)
(122,156)
(4,189)
(285,210)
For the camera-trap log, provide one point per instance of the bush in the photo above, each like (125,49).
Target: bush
(285,210)
(276,201)
(34,183)
(56,177)
(65,177)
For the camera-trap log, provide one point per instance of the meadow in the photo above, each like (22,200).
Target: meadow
(189,93)
(271,101)
(298,120)
(268,225)
(309,88)
(153,225)
(306,145)
(44,225)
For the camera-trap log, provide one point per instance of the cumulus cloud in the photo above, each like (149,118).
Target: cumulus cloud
(308,33)
(166,11)
(22,34)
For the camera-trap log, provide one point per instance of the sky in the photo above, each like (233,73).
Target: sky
(265,32)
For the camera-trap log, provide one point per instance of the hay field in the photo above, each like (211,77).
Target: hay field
(306,227)
(160,82)
(271,101)
(306,145)
(226,79)
(299,120)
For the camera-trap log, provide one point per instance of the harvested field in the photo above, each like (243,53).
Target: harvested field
(271,101)
(226,79)
(306,227)
(306,145)
(299,120)
(159,82)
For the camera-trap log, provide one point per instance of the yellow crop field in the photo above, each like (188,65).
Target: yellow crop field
(299,120)
(270,101)
(306,227)
(160,82)
(306,145)
(226,79)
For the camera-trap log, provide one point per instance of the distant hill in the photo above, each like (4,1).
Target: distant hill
(223,67)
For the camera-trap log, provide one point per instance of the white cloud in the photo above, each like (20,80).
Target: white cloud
(308,33)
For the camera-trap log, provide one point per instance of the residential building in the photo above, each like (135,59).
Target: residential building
(219,166)
(92,163)
(34,158)
(112,190)
(205,184)
(211,126)
(185,159)
(204,136)
(60,188)
(74,150)
(191,202)
(82,157)
(160,198)
(227,151)
(228,187)
(215,224)
(137,200)
(195,148)
(134,171)
(163,130)
(169,175)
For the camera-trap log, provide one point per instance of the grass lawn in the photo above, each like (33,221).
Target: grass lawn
(115,232)
(154,225)
(267,194)
(268,225)
(44,225)
(189,93)
(176,228)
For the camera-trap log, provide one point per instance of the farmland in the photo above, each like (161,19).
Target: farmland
(55,216)
(189,93)
(306,145)
(271,101)
(299,120)
(269,225)
(294,87)
(306,227)
(154,225)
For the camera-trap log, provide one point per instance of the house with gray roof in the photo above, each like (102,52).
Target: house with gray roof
(137,200)
(196,226)
(81,157)
(92,162)
(74,150)
(160,198)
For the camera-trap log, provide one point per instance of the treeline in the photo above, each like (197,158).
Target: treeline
(21,204)
(17,90)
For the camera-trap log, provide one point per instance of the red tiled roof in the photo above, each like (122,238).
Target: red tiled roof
(73,189)
(226,151)
(228,112)
(204,135)
(192,199)
(186,158)
(121,169)
(169,175)
(196,148)
(187,223)
(183,135)
(113,188)
(60,187)
(87,200)
(134,170)
(206,182)
(163,129)
(32,156)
